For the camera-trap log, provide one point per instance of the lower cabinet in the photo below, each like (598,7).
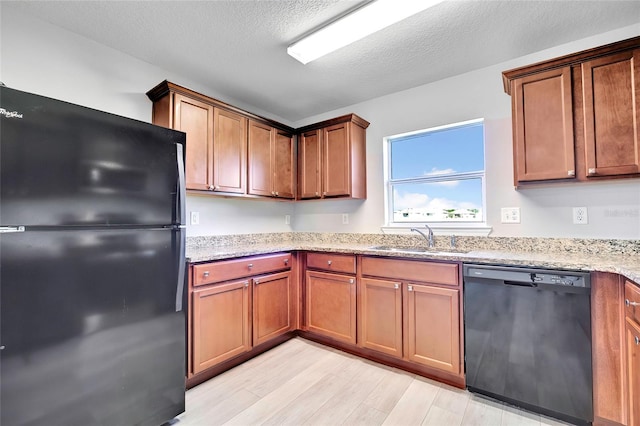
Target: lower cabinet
(633,370)
(330,296)
(272,306)
(331,305)
(221,323)
(236,305)
(412,312)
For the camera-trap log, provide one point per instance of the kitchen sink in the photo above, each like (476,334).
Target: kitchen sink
(417,250)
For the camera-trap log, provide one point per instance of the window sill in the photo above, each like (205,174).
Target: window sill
(479,230)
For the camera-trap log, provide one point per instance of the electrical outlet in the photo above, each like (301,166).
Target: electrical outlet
(510,215)
(580,216)
(287,219)
(345,218)
(195,218)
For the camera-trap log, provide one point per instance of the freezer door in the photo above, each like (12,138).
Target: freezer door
(63,164)
(89,327)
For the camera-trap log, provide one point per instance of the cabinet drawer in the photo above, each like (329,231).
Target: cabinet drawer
(225,270)
(411,270)
(632,295)
(332,262)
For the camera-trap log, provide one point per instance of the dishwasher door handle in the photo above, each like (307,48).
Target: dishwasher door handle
(520,283)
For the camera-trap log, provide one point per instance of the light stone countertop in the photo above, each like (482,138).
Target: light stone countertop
(627,265)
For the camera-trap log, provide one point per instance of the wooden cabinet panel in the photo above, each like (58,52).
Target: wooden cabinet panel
(332,262)
(272,298)
(543,126)
(309,158)
(381,316)
(336,162)
(611,114)
(632,301)
(607,342)
(196,120)
(284,173)
(225,270)
(433,327)
(260,159)
(229,152)
(413,270)
(221,323)
(633,370)
(330,303)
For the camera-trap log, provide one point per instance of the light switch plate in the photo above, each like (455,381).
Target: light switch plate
(195,218)
(510,215)
(345,218)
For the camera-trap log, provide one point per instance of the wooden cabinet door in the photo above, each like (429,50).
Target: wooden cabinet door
(284,173)
(543,126)
(229,152)
(330,305)
(272,301)
(633,371)
(381,316)
(261,153)
(309,158)
(196,120)
(433,330)
(611,86)
(336,161)
(221,323)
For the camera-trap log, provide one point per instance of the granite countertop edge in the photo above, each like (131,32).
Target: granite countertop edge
(626,265)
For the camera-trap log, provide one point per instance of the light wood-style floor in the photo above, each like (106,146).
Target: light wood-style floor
(304,383)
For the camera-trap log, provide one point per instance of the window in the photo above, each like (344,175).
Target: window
(436,175)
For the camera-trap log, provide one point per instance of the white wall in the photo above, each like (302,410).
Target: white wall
(613,207)
(38,57)
(41,58)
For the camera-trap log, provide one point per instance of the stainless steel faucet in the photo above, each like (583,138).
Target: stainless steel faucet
(428,237)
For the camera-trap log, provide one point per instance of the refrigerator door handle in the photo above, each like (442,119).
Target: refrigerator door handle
(10,229)
(181,270)
(180,197)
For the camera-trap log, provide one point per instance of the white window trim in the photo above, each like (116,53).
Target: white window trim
(439,228)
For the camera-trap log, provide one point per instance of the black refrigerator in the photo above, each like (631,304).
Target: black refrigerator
(91,266)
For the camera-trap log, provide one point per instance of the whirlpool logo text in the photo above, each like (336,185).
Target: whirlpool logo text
(10,114)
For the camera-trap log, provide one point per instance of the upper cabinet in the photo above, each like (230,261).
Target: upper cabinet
(576,117)
(232,152)
(332,159)
(226,147)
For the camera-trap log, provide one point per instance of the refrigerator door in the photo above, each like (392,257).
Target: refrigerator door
(66,165)
(91,330)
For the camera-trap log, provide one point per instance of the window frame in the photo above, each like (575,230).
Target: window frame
(460,226)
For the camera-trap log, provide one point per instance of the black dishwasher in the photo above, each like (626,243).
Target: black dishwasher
(528,339)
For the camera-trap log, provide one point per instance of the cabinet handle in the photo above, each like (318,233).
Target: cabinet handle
(273,193)
(250,265)
(324,193)
(592,171)
(246,283)
(286,261)
(637,339)
(409,288)
(630,303)
(317,194)
(276,193)
(396,286)
(205,274)
(329,262)
(350,280)
(256,282)
(571,172)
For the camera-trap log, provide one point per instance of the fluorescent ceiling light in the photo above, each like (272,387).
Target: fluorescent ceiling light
(366,20)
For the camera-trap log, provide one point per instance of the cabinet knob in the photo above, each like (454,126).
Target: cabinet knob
(276,193)
(317,194)
(571,172)
(630,303)
(273,193)
(324,193)
(246,283)
(250,265)
(410,288)
(286,261)
(329,262)
(256,282)
(205,274)
(351,280)
(591,171)
(637,339)
(396,286)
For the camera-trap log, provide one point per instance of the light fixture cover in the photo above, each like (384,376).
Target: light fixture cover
(362,22)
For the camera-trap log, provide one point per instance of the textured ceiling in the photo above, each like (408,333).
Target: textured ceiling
(239,47)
